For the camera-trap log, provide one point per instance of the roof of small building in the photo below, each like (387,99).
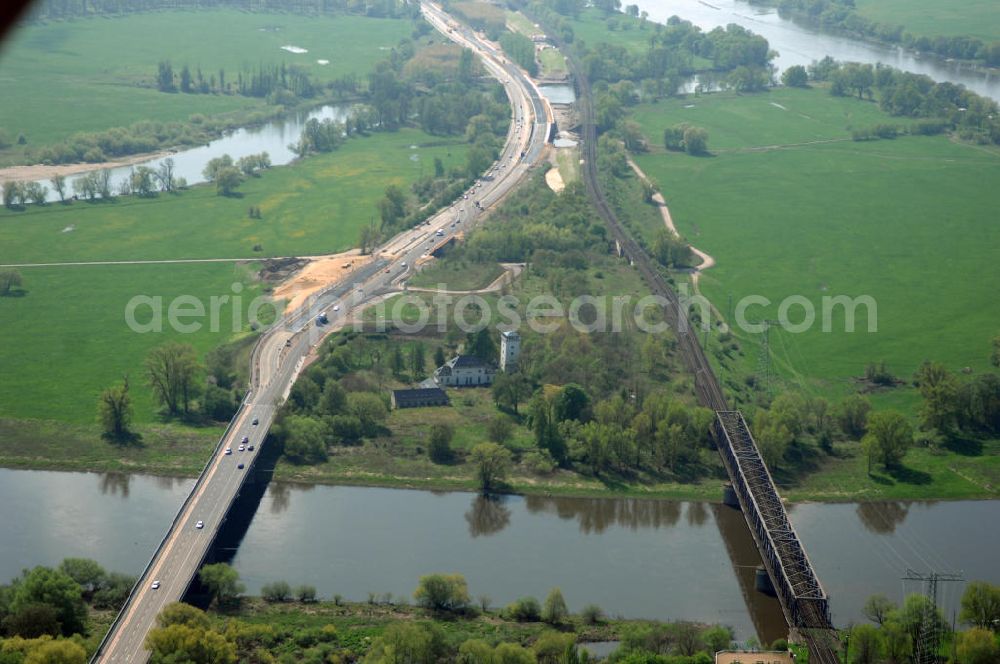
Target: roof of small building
(466,361)
(419,394)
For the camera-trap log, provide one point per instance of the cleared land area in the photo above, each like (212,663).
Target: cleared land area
(908,222)
(93,74)
(314,206)
(976,18)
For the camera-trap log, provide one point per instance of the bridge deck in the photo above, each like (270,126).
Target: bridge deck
(803,598)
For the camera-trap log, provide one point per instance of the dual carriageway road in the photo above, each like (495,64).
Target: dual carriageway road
(282,351)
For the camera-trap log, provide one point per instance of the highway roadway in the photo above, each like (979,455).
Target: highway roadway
(281,352)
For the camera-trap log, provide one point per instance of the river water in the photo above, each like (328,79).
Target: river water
(798,45)
(272,137)
(653,559)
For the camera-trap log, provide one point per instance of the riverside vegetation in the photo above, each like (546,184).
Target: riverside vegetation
(60,614)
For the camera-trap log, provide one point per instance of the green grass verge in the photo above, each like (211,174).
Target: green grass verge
(553,63)
(457,275)
(976,18)
(569,164)
(97,73)
(967,471)
(313,206)
(164,449)
(518,22)
(908,222)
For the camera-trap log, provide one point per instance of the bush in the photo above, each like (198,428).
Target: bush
(439,446)
(592,614)
(526,609)
(306,594)
(278,591)
(555,607)
(540,462)
(442,592)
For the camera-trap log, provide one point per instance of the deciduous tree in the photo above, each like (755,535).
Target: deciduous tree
(221,581)
(981,605)
(492,463)
(171,370)
(889,437)
(442,592)
(114,411)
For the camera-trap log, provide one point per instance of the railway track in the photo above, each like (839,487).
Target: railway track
(807,610)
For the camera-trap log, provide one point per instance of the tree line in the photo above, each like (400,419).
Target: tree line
(895,634)
(945,106)
(524,632)
(45,612)
(280,83)
(842,16)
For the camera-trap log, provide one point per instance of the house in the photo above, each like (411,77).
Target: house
(416,398)
(465,370)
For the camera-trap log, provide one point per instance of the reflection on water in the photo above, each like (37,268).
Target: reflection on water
(115,483)
(596,515)
(882,517)
(281,495)
(488,515)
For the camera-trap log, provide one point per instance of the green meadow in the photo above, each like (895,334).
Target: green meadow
(72,317)
(314,206)
(789,205)
(64,77)
(976,18)
(66,338)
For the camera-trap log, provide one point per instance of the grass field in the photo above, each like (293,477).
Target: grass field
(97,73)
(67,338)
(311,207)
(976,18)
(457,275)
(592,28)
(908,222)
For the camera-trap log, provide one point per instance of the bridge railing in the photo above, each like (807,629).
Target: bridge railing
(795,581)
(173,524)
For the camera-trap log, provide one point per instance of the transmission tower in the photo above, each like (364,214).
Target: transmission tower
(764,357)
(926,647)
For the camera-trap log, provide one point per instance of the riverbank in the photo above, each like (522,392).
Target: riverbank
(172,450)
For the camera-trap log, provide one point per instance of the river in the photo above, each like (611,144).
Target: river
(637,558)
(799,45)
(272,137)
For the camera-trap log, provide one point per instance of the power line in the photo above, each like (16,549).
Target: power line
(929,639)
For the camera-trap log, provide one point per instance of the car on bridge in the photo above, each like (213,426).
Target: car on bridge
(255,421)
(156,585)
(199,525)
(240,467)
(229,450)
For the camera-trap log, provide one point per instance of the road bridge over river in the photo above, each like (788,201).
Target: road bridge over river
(281,352)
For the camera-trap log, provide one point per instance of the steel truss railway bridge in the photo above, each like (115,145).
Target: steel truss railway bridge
(803,601)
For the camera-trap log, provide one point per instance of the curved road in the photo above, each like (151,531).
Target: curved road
(281,353)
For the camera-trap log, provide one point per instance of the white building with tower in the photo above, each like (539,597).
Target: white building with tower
(510,349)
